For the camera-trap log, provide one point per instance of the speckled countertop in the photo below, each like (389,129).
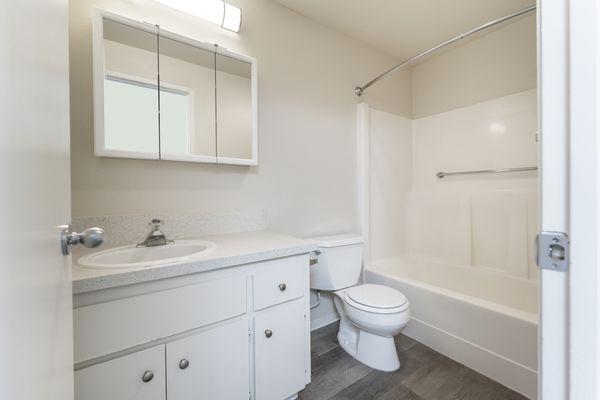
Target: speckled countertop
(232,250)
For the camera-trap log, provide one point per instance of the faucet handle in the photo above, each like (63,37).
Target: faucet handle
(155,223)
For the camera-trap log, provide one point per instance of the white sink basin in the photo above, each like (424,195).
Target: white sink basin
(132,256)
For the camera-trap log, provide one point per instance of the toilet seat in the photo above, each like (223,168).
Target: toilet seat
(377,299)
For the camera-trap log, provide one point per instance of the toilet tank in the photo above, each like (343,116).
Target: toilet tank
(339,263)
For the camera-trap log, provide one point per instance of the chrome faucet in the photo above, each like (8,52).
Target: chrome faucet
(156,237)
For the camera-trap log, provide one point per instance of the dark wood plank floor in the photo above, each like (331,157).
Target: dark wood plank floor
(424,375)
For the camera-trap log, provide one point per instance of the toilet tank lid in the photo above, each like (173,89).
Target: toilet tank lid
(338,240)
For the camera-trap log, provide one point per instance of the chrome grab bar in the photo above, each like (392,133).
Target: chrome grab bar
(443,174)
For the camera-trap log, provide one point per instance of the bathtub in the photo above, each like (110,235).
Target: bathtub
(481,318)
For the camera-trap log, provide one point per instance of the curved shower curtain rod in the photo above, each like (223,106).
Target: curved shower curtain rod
(359,90)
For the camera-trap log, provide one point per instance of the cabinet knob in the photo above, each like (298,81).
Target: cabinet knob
(183,364)
(268,333)
(148,375)
(282,286)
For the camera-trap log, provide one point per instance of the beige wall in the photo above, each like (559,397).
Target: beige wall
(492,65)
(307,148)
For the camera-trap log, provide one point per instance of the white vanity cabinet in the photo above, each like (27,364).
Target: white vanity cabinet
(233,333)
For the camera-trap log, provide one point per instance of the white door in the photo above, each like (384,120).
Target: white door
(36,359)
(136,376)
(569,332)
(214,364)
(584,223)
(553,120)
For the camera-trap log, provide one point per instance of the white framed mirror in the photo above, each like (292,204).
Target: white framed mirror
(162,96)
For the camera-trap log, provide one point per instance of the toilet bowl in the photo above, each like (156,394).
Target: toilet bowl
(367,327)
(370,315)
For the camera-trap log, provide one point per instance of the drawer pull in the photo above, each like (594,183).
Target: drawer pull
(183,364)
(147,377)
(268,333)
(282,287)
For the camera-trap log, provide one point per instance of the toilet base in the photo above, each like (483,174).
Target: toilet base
(378,352)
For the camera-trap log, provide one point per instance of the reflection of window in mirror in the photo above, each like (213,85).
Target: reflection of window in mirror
(189,68)
(176,118)
(121,91)
(127,105)
(234,108)
(130,90)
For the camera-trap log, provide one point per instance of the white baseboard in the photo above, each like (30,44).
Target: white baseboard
(508,372)
(323,321)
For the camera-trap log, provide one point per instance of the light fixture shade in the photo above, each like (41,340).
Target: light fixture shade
(218,12)
(232,20)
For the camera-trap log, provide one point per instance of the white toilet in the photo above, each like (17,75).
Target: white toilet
(370,315)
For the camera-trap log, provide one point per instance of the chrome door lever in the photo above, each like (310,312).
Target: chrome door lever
(91,237)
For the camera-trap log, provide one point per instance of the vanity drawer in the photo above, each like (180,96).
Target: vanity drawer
(105,328)
(280,280)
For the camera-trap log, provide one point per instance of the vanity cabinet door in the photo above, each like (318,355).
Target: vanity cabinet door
(280,351)
(213,364)
(136,376)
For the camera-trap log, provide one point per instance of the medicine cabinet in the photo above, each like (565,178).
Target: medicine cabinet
(162,96)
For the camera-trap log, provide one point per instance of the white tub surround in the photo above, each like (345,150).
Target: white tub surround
(231,325)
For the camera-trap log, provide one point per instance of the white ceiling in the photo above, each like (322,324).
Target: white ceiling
(403,28)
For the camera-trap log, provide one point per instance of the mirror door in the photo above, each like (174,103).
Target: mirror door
(187,100)
(128,124)
(236,101)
